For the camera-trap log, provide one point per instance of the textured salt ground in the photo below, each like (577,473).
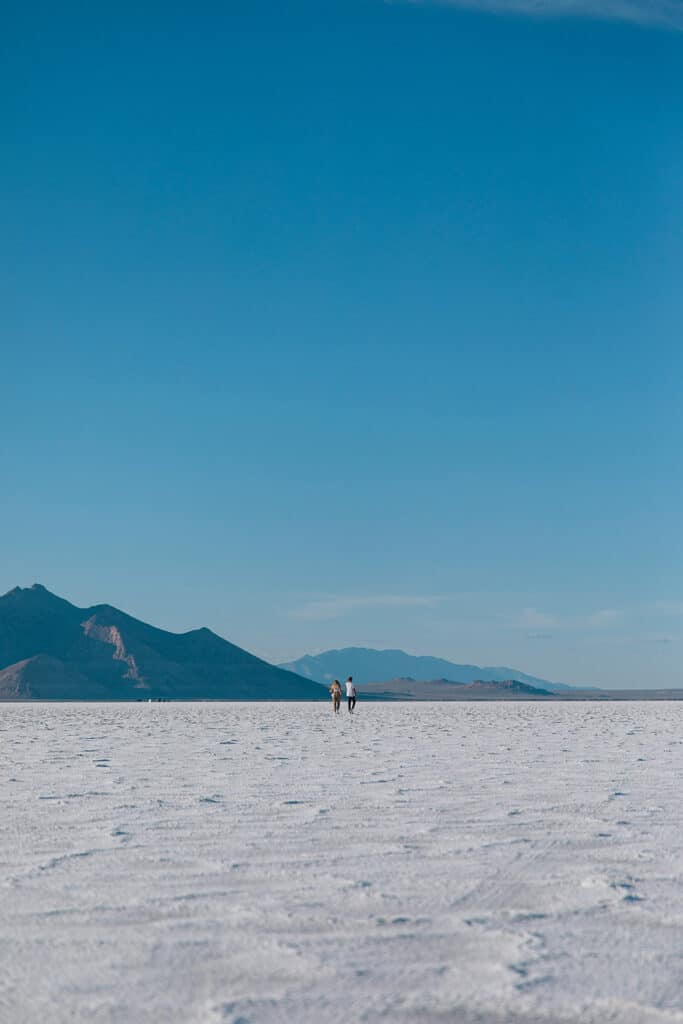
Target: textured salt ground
(213,863)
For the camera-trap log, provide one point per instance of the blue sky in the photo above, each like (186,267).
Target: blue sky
(350,323)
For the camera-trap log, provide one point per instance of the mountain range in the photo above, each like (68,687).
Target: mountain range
(371,666)
(52,650)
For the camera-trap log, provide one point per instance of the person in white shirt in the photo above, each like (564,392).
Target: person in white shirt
(350,693)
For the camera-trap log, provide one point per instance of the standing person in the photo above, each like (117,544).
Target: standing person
(350,693)
(335,690)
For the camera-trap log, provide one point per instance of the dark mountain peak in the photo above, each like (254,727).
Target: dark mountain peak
(35,590)
(35,599)
(107,611)
(205,633)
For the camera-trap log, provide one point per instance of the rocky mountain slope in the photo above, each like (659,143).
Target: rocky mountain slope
(50,649)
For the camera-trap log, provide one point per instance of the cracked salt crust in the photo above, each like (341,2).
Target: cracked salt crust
(263,863)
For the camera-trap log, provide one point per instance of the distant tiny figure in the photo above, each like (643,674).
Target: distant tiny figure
(336,692)
(350,693)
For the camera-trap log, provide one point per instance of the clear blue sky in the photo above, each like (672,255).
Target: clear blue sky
(349,323)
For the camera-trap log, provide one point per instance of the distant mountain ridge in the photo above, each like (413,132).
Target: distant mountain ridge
(52,650)
(448,689)
(371,666)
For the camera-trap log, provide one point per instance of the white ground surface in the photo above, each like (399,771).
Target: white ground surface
(474,863)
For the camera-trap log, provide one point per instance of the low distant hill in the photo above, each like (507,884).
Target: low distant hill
(52,650)
(447,689)
(366,665)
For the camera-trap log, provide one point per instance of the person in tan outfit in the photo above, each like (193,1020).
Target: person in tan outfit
(336,692)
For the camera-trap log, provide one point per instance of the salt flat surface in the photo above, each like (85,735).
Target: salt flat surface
(474,863)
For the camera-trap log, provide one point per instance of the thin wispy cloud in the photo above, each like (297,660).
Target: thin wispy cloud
(664,13)
(539,623)
(336,607)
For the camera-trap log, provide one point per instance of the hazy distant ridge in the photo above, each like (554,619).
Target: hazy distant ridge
(371,666)
(447,689)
